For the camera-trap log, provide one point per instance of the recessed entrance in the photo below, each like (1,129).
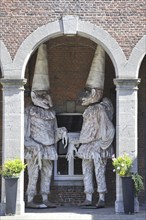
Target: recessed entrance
(69,60)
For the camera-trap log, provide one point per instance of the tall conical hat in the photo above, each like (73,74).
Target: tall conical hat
(97,70)
(41,76)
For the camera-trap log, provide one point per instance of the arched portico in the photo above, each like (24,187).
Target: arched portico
(68,25)
(13,82)
(135,59)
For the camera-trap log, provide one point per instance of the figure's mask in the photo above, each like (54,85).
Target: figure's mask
(90,96)
(41,99)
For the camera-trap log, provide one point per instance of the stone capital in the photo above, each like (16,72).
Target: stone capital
(13,83)
(127,84)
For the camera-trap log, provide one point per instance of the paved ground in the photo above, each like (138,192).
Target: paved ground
(75,213)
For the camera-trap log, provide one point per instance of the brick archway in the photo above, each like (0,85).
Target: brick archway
(135,59)
(126,83)
(5,60)
(69,25)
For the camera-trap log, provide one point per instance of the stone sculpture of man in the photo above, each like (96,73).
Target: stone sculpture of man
(41,133)
(97,133)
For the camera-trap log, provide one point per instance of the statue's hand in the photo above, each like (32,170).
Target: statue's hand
(71,151)
(65,139)
(75,142)
(61,134)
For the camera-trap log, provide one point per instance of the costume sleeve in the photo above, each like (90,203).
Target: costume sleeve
(97,128)
(90,127)
(106,130)
(28,141)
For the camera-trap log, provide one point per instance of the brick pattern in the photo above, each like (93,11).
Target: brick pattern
(124,20)
(69,66)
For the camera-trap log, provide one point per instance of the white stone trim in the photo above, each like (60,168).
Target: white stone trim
(126,84)
(126,128)
(13,83)
(103,38)
(68,25)
(31,43)
(135,59)
(5,60)
(13,130)
(72,25)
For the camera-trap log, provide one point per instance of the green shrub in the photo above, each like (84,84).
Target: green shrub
(12,168)
(122,166)
(138,183)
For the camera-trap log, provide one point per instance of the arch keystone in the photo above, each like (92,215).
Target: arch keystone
(70,24)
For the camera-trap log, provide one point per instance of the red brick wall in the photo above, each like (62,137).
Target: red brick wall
(124,20)
(70,62)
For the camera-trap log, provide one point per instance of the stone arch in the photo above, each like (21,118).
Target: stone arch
(5,60)
(136,57)
(68,25)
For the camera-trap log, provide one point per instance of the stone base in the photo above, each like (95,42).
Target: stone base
(20,208)
(88,207)
(136,205)
(2,209)
(119,208)
(37,207)
(143,206)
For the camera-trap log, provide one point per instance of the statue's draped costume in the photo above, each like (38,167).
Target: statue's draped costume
(41,132)
(95,145)
(40,139)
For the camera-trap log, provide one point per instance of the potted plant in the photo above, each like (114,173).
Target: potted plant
(132,183)
(10,171)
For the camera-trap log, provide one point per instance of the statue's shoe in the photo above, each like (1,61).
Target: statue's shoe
(34,205)
(49,204)
(100,204)
(86,203)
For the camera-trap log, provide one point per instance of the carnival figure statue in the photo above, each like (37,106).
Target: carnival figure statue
(97,133)
(41,134)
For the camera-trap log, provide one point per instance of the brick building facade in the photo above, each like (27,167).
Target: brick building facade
(71,30)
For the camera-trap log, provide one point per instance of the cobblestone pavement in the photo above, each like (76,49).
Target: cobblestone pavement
(75,213)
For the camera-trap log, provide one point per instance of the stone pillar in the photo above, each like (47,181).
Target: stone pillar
(126,129)
(13,130)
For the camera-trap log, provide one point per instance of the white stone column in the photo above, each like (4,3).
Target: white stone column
(126,128)
(13,130)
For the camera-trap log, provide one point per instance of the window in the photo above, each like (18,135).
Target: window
(64,169)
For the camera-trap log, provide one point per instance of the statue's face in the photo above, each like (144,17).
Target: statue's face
(41,99)
(90,96)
